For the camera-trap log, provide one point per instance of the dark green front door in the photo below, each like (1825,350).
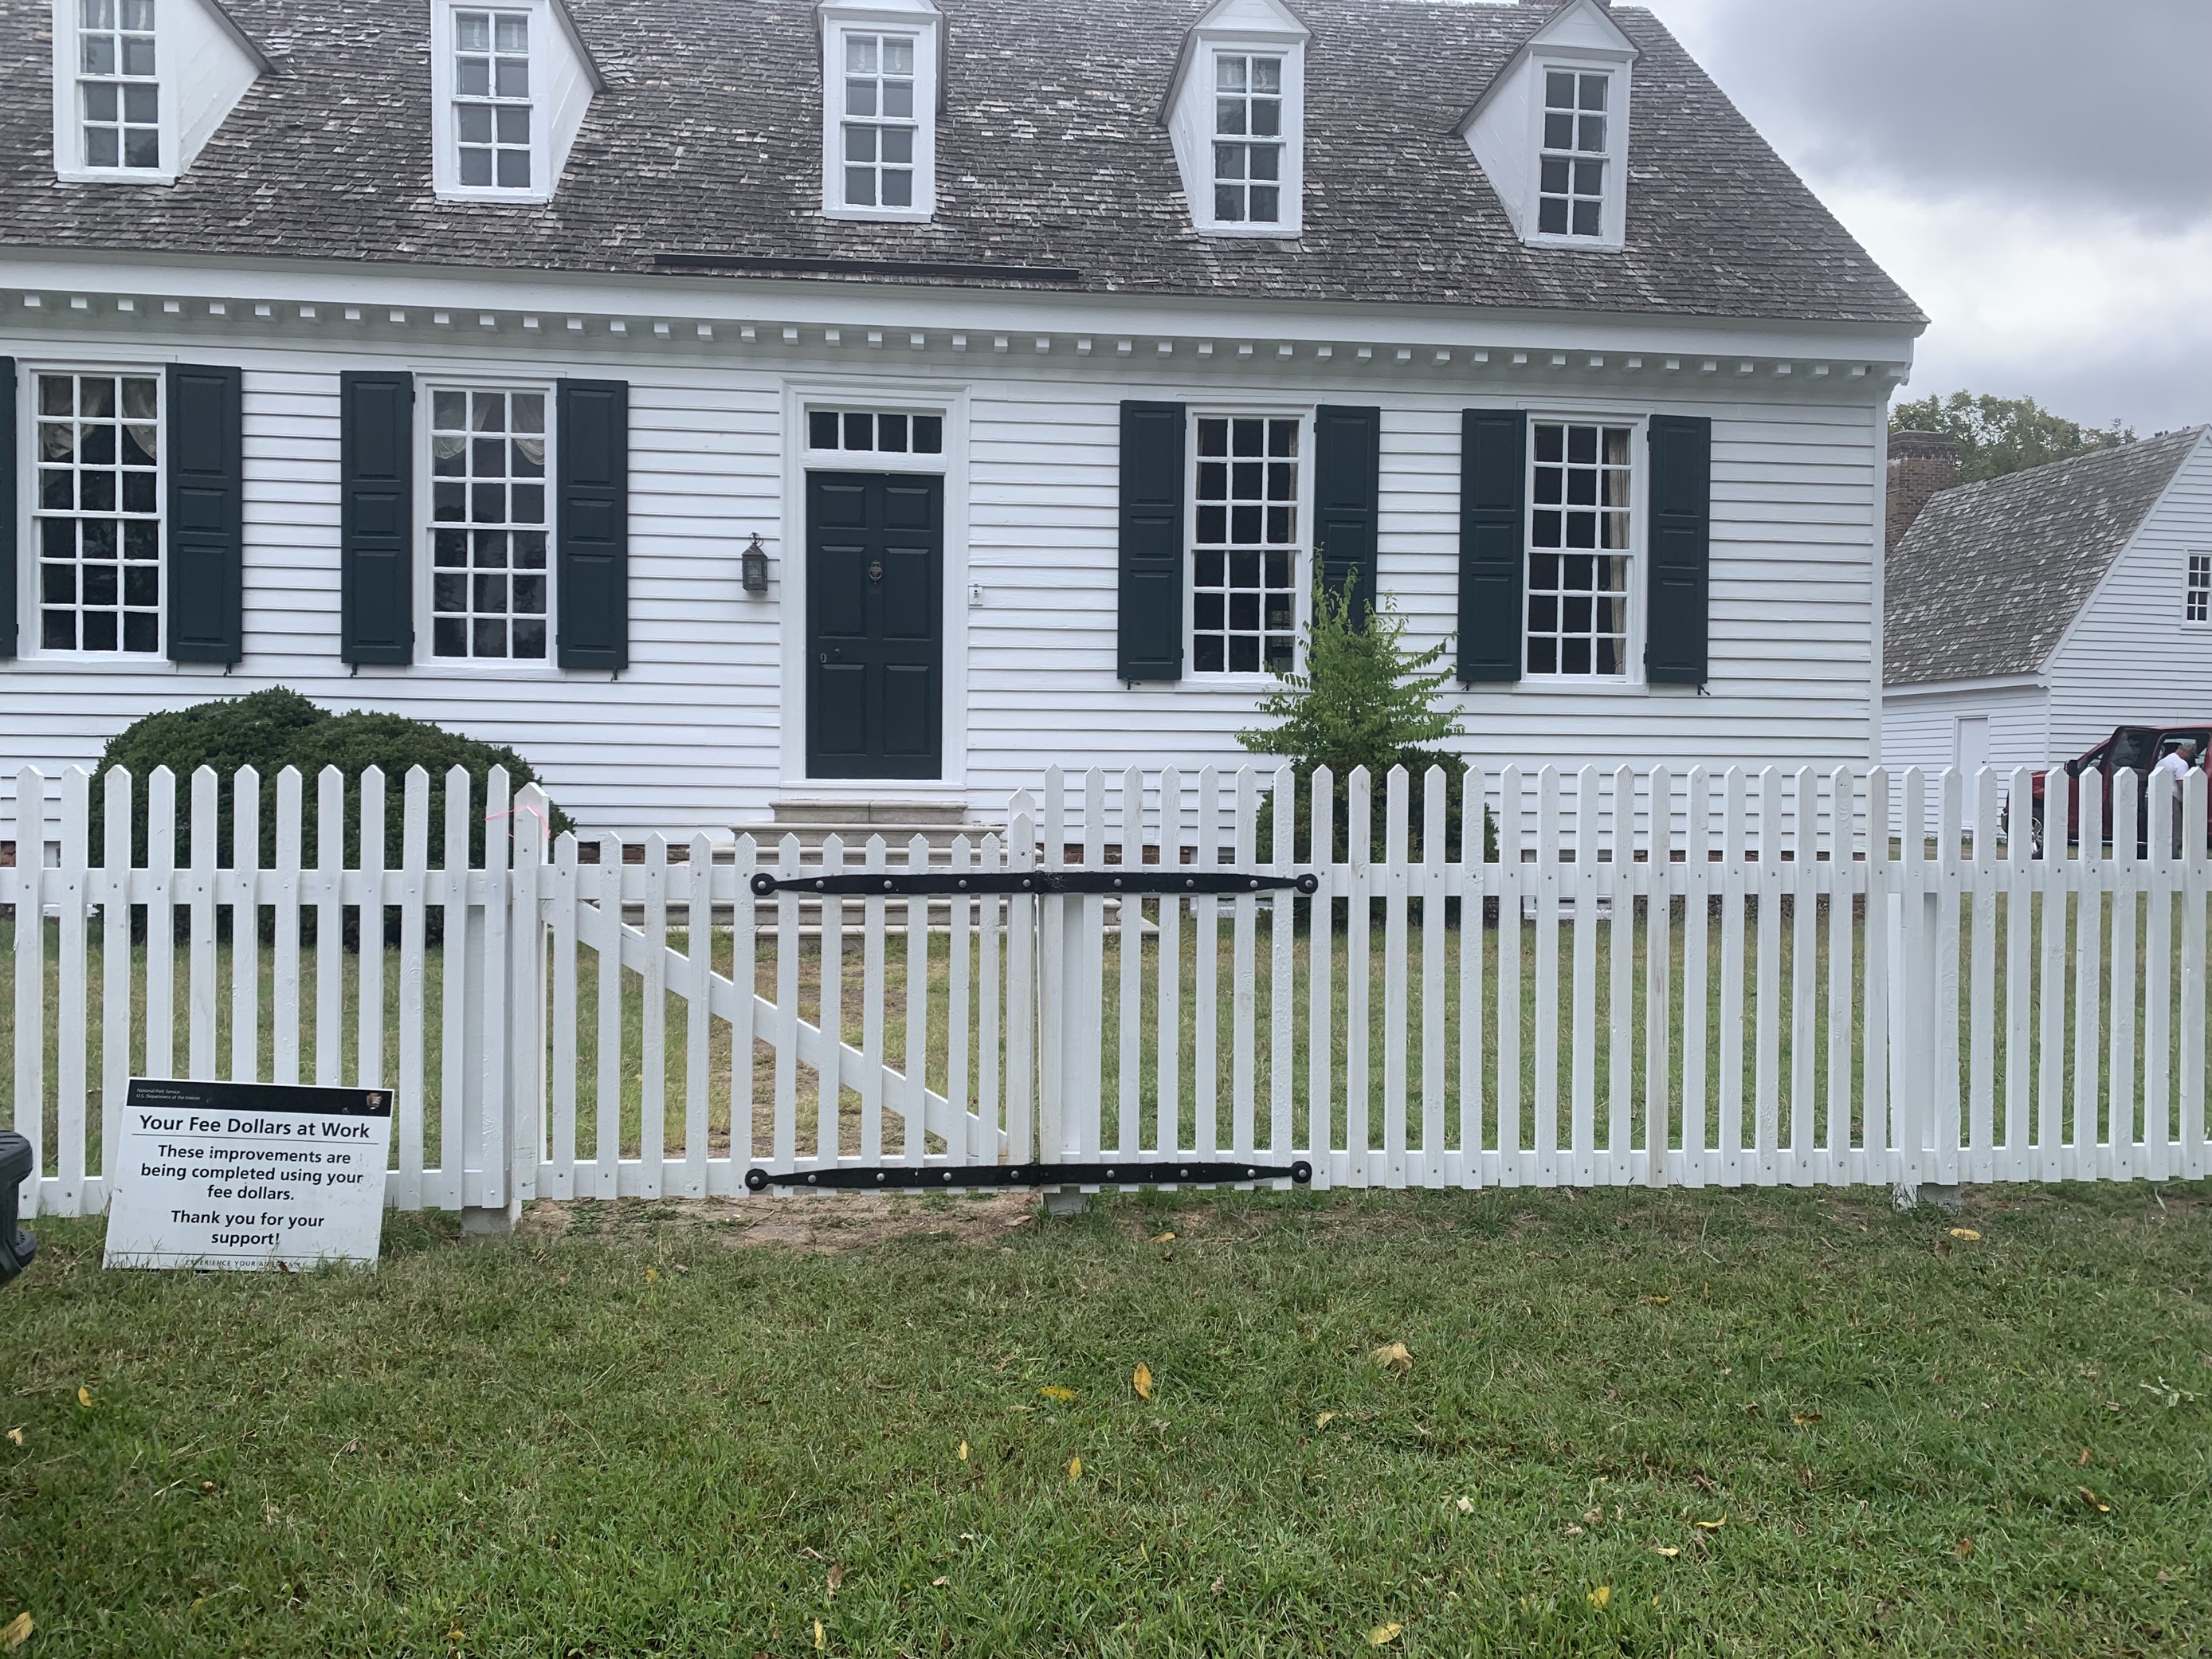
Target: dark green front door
(875,627)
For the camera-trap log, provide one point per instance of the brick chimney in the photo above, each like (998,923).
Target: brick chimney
(1920,464)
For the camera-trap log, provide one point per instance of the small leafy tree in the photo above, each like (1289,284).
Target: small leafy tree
(1365,699)
(1998,435)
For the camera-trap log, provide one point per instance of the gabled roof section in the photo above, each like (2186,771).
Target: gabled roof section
(1578,25)
(1255,17)
(1991,575)
(708,140)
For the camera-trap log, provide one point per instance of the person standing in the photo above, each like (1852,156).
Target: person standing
(2177,762)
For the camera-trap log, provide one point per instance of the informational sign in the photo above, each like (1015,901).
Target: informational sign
(248,1174)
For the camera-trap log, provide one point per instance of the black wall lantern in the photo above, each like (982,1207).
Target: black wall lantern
(752,565)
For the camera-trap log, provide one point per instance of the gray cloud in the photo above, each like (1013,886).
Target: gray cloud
(2043,101)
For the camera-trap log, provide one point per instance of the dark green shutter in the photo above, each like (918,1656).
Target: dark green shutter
(9,575)
(592,531)
(207,513)
(1493,506)
(1151,575)
(376,517)
(1680,544)
(1347,480)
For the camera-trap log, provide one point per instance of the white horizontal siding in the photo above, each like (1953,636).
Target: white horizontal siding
(1923,731)
(2131,656)
(694,733)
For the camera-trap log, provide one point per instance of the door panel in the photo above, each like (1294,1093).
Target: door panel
(875,605)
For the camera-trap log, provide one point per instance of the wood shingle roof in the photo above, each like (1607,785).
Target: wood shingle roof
(707,139)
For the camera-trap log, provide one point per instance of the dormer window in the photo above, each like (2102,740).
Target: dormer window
(879,120)
(1247,138)
(1552,130)
(879,109)
(509,86)
(1570,185)
(1236,114)
(491,100)
(119,92)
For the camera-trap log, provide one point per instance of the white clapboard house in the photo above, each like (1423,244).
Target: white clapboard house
(739,405)
(2029,615)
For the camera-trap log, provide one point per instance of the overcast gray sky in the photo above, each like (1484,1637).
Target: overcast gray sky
(2038,174)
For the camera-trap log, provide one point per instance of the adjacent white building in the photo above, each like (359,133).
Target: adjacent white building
(2029,615)
(449,358)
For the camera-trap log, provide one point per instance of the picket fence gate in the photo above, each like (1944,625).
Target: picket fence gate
(1719,978)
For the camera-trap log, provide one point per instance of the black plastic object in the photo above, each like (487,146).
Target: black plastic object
(1128,1172)
(16,1246)
(1137,881)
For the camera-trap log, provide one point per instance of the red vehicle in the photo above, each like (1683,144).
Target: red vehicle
(2134,749)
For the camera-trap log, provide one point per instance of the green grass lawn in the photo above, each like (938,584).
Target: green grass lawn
(621,1433)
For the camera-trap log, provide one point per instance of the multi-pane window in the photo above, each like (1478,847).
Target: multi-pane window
(1570,190)
(1578,550)
(879,120)
(119,99)
(99,520)
(1245,545)
(875,432)
(489,581)
(491,98)
(1248,143)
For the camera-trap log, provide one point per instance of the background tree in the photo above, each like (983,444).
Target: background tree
(1998,435)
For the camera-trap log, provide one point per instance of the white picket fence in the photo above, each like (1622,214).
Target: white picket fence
(1721,978)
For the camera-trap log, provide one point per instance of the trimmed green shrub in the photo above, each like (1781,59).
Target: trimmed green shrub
(271,730)
(1364,700)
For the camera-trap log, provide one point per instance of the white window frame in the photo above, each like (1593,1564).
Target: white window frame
(1639,479)
(1612,216)
(30,631)
(1241,680)
(427,384)
(1291,224)
(444,131)
(923,25)
(70,164)
(2194,592)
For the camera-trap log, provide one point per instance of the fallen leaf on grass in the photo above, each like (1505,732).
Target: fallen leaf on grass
(1053,1391)
(1711,1526)
(84,1396)
(2082,1461)
(1601,1595)
(1667,1550)
(15,1434)
(1658,1301)
(1324,1419)
(1967,1233)
(836,1579)
(2093,1501)
(16,1632)
(1464,1505)
(1074,1470)
(1382,1635)
(1162,1238)
(1963,1548)
(1805,1419)
(963,1451)
(1142,1380)
(652,1275)
(821,1641)
(1218,1586)
(939,1583)
(1395,1356)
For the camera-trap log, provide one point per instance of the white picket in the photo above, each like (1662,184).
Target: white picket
(1932,1099)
